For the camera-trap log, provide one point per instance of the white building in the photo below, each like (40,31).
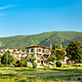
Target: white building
(41,53)
(19,55)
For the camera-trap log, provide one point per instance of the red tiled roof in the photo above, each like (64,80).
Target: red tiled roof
(37,46)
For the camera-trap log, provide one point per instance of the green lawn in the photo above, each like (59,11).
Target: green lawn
(18,74)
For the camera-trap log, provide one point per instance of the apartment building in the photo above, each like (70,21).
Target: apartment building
(41,53)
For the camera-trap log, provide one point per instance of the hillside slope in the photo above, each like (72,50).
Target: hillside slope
(44,39)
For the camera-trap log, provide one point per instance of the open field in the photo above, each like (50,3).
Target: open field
(18,74)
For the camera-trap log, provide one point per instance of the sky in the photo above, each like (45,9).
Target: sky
(27,17)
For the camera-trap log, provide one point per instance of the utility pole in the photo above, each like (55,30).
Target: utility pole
(7,61)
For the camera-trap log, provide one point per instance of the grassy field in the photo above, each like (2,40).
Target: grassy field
(41,75)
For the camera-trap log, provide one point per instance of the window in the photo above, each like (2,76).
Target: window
(38,61)
(32,50)
(32,54)
(45,61)
(46,56)
(39,50)
(47,51)
(28,51)
(39,55)
(42,51)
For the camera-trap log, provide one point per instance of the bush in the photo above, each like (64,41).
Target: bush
(22,81)
(1,65)
(79,78)
(22,63)
(58,64)
(34,65)
(41,64)
(52,64)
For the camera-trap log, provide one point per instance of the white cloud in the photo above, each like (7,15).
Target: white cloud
(8,6)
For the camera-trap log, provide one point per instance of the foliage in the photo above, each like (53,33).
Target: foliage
(60,54)
(14,60)
(22,62)
(59,51)
(4,58)
(31,58)
(52,58)
(52,64)
(74,51)
(58,63)
(34,65)
(57,46)
(23,80)
(44,39)
(1,65)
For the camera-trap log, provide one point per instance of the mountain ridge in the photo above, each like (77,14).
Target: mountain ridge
(42,39)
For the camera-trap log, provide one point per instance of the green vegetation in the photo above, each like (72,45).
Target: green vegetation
(52,58)
(6,58)
(22,62)
(74,51)
(34,65)
(58,63)
(31,58)
(44,39)
(59,52)
(41,75)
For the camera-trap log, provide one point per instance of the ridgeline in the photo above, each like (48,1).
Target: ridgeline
(43,39)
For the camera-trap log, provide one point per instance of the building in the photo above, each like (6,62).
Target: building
(19,55)
(41,53)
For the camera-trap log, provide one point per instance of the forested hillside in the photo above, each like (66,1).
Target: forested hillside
(44,39)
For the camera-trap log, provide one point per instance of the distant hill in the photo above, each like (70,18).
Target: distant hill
(43,39)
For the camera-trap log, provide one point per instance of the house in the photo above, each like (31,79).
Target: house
(41,53)
(19,55)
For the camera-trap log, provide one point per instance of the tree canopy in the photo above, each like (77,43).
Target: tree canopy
(6,58)
(74,51)
(23,62)
(59,51)
(52,58)
(31,58)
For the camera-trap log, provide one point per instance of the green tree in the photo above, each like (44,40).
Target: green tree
(59,52)
(52,58)
(22,62)
(74,51)
(4,58)
(14,60)
(34,65)
(31,58)
(56,46)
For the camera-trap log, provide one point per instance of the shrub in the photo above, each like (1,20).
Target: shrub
(22,62)
(79,65)
(41,64)
(58,63)
(22,81)
(34,65)
(1,65)
(79,78)
(52,64)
